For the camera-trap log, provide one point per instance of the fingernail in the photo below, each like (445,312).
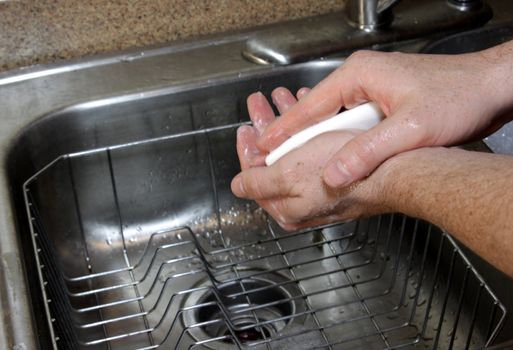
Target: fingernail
(261,97)
(279,92)
(337,175)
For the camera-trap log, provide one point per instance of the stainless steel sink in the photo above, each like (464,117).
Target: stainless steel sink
(117,210)
(139,243)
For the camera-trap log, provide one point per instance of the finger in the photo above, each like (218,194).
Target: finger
(246,146)
(364,153)
(308,224)
(260,111)
(295,226)
(271,207)
(302,93)
(283,99)
(261,183)
(258,160)
(323,101)
(343,86)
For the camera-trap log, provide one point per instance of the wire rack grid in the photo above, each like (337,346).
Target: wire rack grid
(223,275)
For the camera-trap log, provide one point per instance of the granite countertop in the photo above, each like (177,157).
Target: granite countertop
(36,32)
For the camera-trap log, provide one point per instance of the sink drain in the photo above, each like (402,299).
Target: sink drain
(258,308)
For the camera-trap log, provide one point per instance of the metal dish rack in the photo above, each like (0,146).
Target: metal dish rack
(142,246)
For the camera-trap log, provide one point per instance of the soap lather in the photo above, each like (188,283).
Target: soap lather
(362,117)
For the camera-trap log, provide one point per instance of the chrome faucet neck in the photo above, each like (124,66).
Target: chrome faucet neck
(369,15)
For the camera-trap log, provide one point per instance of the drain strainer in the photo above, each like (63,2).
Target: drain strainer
(251,309)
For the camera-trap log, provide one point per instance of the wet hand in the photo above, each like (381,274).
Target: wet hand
(292,190)
(428,101)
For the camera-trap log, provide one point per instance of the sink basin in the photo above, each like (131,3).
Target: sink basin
(133,240)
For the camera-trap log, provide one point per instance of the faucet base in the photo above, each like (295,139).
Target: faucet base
(329,34)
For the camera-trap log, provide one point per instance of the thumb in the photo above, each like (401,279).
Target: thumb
(261,183)
(364,153)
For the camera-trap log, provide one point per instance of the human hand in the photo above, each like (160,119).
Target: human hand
(292,190)
(428,100)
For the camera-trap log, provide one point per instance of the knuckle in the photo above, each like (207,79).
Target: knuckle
(284,178)
(417,129)
(359,156)
(347,96)
(252,186)
(363,148)
(361,56)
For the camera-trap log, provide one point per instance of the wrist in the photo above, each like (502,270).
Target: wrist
(496,69)
(401,178)
(386,180)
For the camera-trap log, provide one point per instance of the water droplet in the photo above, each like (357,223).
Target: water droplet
(109,241)
(384,256)
(393,316)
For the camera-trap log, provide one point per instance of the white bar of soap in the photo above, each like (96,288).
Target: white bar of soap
(362,117)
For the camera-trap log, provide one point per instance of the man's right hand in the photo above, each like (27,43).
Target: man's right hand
(428,100)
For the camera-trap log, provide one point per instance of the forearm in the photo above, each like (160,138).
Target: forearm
(469,194)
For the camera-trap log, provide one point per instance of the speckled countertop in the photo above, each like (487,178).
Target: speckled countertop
(42,31)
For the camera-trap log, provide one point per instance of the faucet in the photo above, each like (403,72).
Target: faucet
(368,23)
(369,15)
